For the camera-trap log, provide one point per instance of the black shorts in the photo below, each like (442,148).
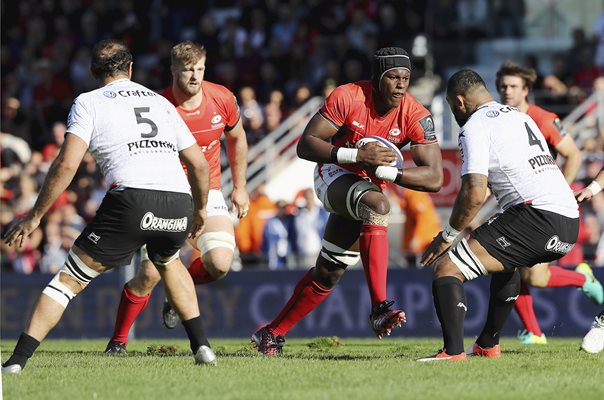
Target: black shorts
(523,236)
(127,219)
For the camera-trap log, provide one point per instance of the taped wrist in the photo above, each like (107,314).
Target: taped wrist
(344,155)
(449,234)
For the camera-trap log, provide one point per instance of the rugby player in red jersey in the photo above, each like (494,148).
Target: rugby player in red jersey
(513,83)
(209,110)
(349,181)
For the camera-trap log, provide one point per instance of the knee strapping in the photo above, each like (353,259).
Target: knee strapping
(339,256)
(468,263)
(58,291)
(371,217)
(212,240)
(78,270)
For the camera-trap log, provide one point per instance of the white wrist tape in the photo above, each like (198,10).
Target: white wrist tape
(594,187)
(386,173)
(449,234)
(346,156)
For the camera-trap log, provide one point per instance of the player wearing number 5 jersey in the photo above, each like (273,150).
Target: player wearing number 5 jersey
(209,111)
(136,137)
(503,148)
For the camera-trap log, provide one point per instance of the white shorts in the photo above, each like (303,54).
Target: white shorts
(216,204)
(325,177)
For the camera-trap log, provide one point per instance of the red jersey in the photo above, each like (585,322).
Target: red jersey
(351,109)
(218,112)
(549,124)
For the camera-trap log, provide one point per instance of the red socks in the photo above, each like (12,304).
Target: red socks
(524,308)
(565,277)
(130,307)
(374,254)
(307,295)
(199,274)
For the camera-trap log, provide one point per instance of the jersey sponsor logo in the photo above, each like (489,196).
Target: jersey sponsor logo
(427,124)
(137,93)
(211,145)
(152,144)
(93,237)
(150,222)
(555,245)
(542,160)
(216,119)
(190,114)
(394,132)
(110,94)
(511,298)
(492,113)
(358,124)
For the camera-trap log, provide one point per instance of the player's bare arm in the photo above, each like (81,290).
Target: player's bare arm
(592,189)
(314,146)
(568,149)
(427,176)
(237,154)
(59,176)
(199,179)
(468,202)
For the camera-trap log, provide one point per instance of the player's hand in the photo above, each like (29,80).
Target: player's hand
(372,154)
(241,202)
(199,223)
(17,233)
(436,249)
(582,195)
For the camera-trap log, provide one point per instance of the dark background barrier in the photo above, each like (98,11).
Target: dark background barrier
(234,307)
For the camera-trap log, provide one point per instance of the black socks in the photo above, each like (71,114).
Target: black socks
(450,302)
(505,288)
(26,345)
(196,334)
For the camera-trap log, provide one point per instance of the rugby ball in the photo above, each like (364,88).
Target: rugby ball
(398,162)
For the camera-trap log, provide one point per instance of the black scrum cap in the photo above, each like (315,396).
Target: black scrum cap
(386,59)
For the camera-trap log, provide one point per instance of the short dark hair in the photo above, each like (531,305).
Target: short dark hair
(463,82)
(528,75)
(110,57)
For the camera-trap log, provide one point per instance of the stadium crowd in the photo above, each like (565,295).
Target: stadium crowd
(274,56)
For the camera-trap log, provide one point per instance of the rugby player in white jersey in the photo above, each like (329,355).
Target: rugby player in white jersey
(501,148)
(138,140)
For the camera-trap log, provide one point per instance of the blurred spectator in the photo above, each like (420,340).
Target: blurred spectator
(248,233)
(279,239)
(508,16)
(421,223)
(310,223)
(14,121)
(598,35)
(251,114)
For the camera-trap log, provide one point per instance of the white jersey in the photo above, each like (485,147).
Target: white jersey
(134,134)
(505,144)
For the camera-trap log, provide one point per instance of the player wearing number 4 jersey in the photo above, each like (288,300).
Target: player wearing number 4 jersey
(349,182)
(209,110)
(502,147)
(136,137)
(514,83)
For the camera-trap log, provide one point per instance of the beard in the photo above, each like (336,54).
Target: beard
(187,89)
(460,117)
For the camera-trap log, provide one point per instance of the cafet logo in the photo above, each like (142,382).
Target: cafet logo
(216,119)
(394,132)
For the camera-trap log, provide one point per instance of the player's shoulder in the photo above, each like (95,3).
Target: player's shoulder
(540,115)
(354,91)
(412,107)
(216,90)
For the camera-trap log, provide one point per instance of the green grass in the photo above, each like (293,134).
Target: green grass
(323,368)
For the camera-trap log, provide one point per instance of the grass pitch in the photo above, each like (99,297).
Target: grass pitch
(322,368)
